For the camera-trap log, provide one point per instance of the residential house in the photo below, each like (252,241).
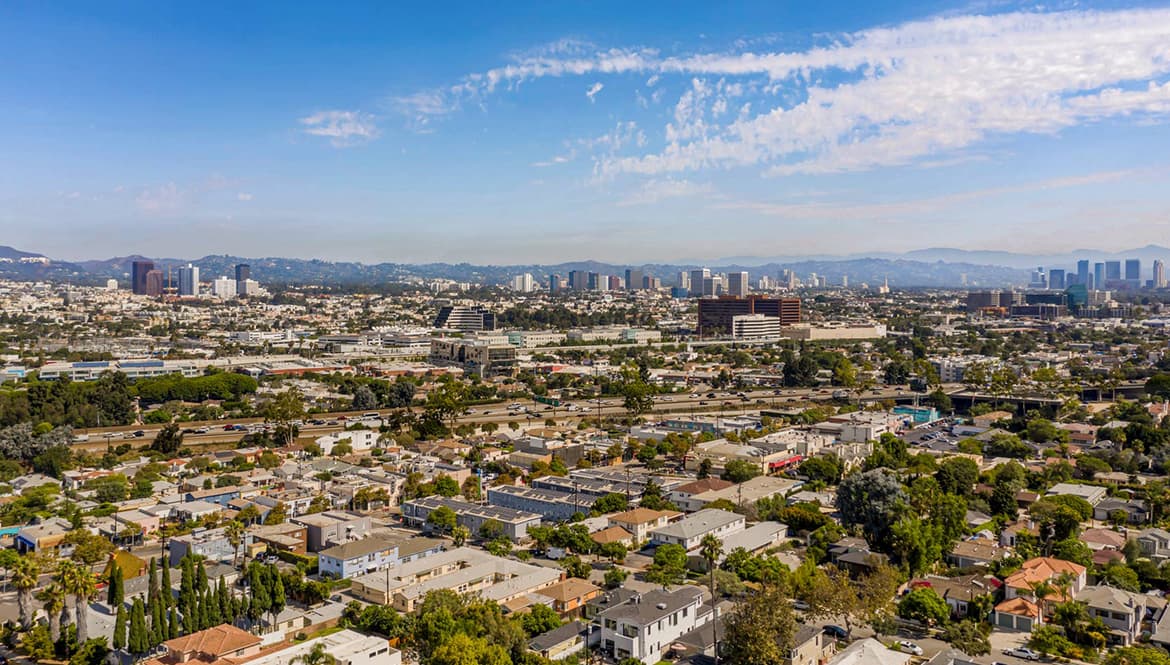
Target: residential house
(811,645)
(644,626)
(42,535)
(357,558)
(680,495)
(1091,493)
(869,651)
(690,530)
(962,591)
(1121,611)
(218,644)
(333,527)
(613,534)
(560,643)
(570,596)
(976,552)
(1154,543)
(639,522)
(217,495)
(345,647)
(1135,510)
(1056,573)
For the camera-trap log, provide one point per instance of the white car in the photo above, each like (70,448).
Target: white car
(1022,652)
(908,647)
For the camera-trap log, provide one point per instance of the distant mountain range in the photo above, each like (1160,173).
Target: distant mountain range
(934,267)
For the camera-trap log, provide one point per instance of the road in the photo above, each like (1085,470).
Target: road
(727,403)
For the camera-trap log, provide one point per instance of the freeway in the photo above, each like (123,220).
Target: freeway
(609,407)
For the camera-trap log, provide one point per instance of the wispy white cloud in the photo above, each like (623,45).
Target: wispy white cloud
(342,128)
(657,190)
(160,199)
(917,92)
(593,90)
(244,196)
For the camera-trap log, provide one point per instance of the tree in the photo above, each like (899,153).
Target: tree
(318,655)
(669,566)
(539,620)
(711,548)
(115,591)
(738,471)
(364,399)
(957,475)
(282,410)
(575,567)
(925,606)
(169,439)
(91,652)
(24,578)
(119,639)
(614,551)
(637,395)
(1137,655)
(872,500)
(53,597)
(443,519)
(970,637)
(614,577)
(460,534)
(610,503)
(760,630)
(823,468)
(446,485)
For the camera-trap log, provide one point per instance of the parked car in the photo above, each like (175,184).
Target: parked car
(1022,652)
(836,631)
(906,646)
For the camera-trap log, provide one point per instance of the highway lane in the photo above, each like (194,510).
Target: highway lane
(727,402)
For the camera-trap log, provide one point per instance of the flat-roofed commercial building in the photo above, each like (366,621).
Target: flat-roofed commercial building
(716,315)
(515,523)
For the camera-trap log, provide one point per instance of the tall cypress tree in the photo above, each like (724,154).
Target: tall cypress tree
(152,583)
(116,593)
(158,622)
(168,598)
(201,578)
(224,597)
(172,624)
(119,640)
(137,641)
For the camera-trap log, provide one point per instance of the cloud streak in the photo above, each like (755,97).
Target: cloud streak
(918,92)
(342,128)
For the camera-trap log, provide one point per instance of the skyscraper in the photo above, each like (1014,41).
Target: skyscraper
(188,280)
(1056,279)
(684,280)
(1083,272)
(243,274)
(153,283)
(1112,271)
(1098,275)
(633,280)
(1133,271)
(554,283)
(138,271)
(697,278)
(578,280)
(737,283)
(1159,274)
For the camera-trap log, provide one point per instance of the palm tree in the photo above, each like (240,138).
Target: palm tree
(234,531)
(78,582)
(710,548)
(1041,591)
(53,596)
(24,578)
(316,656)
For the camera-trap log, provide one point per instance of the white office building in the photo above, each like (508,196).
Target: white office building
(223,288)
(737,284)
(755,326)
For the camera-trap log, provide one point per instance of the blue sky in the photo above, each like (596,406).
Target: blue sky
(628,132)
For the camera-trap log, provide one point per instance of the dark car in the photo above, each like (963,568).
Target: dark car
(836,631)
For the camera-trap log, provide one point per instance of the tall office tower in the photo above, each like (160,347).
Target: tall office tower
(615,283)
(845,281)
(578,280)
(633,280)
(684,280)
(188,280)
(1083,272)
(1098,275)
(243,274)
(714,286)
(790,279)
(1159,274)
(1039,279)
(153,283)
(138,271)
(1133,271)
(594,281)
(651,283)
(523,283)
(1112,271)
(1056,278)
(698,276)
(737,284)
(764,283)
(554,283)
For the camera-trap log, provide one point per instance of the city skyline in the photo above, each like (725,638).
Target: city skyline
(355,134)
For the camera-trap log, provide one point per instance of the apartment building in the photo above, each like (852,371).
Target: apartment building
(333,527)
(690,530)
(515,523)
(645,625)
(551,505)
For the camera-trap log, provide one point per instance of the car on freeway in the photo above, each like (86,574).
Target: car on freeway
(1022,652)
(702,404)
(667,398)
(140,433)
(906,646)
